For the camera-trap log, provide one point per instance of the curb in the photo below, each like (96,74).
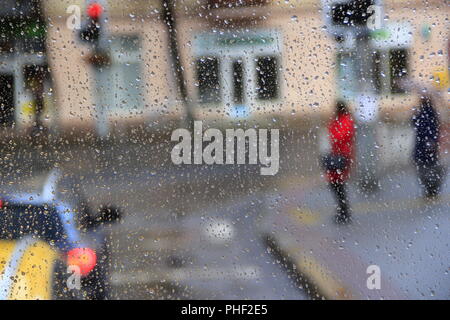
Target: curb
(318,283)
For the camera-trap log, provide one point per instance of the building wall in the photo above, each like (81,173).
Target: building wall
(308,56)
(425,54)
(74,78)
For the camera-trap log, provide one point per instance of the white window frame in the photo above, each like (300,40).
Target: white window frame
(205,44)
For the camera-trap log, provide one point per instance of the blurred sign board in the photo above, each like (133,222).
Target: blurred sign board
(209,42)
(440,77)
(397,34)
(236,3)
(240,111)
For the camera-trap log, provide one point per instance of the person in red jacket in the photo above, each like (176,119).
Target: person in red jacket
(341,131)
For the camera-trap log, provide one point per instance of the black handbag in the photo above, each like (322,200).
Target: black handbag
(333,162)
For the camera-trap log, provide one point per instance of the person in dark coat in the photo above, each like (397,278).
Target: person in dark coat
(341,131)
(426,150)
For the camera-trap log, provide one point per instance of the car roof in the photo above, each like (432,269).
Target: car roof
(64,211)
(47,194)
(34,199)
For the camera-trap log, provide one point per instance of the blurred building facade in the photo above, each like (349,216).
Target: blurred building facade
(242,59)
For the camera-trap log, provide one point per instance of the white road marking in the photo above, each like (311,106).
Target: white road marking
(248,272)
(219,231)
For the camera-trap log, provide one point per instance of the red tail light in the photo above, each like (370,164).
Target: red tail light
(84,258)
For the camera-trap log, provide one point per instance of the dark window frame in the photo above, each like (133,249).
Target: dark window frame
(238,72)
(398,70)
(206,92)
(262,91)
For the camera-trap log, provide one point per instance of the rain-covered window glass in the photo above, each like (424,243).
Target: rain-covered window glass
(267,78)
(224,149)
(208,79)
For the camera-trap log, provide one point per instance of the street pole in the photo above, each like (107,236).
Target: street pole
(367,107)
(101,77)
(169,19)
(366,114)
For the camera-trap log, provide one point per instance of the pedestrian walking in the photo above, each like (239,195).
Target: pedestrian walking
(426,150)
(337,164)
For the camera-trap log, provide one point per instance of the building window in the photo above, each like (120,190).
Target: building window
(346,73)
(208,79)
(127,88)
(389,68)
(398,62)
(125,73)
(267,78)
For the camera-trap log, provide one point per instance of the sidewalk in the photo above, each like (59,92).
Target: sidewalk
(395,229)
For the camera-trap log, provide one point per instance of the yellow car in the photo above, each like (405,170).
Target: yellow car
(27,268)
(49,251)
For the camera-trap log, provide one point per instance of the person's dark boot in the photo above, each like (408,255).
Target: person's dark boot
(342,217)
(431,193)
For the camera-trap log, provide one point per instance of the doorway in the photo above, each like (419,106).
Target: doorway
(6,99)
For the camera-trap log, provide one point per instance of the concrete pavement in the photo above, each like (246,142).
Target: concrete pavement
(395,229)
(213,254)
